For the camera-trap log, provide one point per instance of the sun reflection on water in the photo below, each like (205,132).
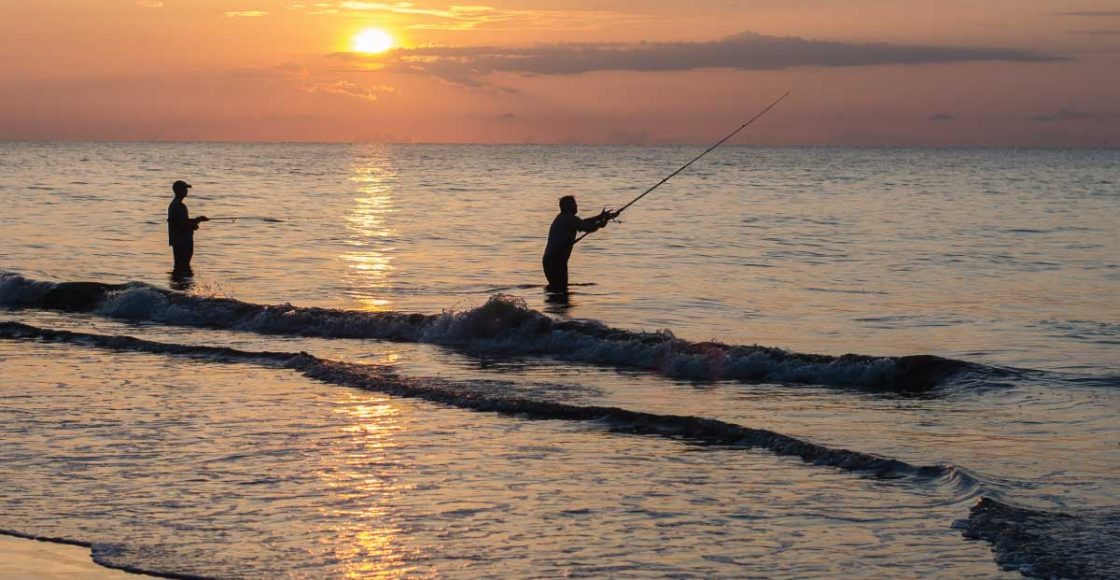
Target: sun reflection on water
(359,469)
(370,261)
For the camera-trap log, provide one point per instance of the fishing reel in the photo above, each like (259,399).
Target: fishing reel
(613,215)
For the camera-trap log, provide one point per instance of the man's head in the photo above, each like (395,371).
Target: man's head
(568,204)
(180,188)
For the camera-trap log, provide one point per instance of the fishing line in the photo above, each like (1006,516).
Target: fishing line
(257,218)
(694,160)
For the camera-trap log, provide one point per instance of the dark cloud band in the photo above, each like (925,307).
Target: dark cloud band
(1091,13)
(747,51)
(1063,115)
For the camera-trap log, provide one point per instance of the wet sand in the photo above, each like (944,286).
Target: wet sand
(24,559)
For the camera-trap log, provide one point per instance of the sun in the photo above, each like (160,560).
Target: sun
(372,41)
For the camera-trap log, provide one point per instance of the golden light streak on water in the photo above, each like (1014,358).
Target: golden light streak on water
(370,263)
(361,471)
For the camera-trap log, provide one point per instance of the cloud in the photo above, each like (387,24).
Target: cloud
(1063,115)
(456,12)
(245,13)
(1098,32)
(1091,13)
(941,117)
(467,17)
(747,51)
(349,89)
(149,4)
(312,79)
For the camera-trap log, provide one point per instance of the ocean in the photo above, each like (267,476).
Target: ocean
(785,362)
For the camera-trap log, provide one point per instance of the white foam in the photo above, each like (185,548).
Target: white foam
(504,325)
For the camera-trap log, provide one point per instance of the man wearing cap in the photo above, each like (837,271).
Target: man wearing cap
(180,228)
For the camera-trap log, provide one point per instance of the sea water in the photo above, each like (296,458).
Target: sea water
(785,362)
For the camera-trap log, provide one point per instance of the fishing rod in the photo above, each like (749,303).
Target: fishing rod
(258,218)
(694,160)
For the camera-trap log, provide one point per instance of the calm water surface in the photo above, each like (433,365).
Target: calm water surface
(184,459)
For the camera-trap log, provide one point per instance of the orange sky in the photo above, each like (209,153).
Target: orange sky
(862,72)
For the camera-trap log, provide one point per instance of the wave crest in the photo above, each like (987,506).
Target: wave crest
(503,326)
(481,396)
(1047,544)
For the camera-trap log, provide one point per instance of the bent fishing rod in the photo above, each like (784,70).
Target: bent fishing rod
(694,160)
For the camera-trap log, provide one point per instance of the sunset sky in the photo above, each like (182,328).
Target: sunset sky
(861,72)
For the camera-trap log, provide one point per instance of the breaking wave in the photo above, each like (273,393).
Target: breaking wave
(482,396)
(502,326)
(1047,544)
(1036,543)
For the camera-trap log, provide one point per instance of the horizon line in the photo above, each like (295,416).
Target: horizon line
(1103,146)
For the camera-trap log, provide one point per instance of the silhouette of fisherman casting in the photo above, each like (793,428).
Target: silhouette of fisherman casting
(561,239)
(180,228)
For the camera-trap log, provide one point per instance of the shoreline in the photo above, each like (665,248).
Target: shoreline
(25,557)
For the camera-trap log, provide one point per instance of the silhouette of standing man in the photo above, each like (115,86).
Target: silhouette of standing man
(180,228)
(561,239)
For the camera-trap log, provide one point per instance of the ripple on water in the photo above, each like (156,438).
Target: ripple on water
(236,454)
